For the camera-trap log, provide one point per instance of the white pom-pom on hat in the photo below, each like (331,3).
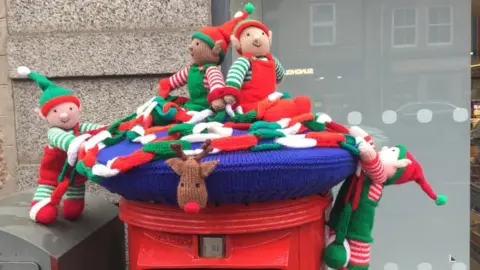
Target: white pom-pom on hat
(23,71)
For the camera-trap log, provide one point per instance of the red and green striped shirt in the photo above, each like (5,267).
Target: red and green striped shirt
(61,138)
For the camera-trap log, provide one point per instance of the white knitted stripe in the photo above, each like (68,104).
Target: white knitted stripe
(296,141)
(37,207)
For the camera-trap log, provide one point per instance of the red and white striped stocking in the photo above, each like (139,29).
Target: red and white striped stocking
(360,253)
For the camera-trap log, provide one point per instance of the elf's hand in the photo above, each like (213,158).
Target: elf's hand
(164,87)
(74,148)
(229,99)
(218,104)
(367,152)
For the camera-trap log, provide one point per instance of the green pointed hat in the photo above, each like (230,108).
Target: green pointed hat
(52,95)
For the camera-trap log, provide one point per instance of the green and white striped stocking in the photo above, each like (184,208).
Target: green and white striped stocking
(43,192)
(76,192)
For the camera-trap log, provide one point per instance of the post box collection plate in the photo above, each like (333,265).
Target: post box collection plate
(211,246)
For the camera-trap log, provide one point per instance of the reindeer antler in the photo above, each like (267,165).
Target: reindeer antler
(177,147)
(207,148)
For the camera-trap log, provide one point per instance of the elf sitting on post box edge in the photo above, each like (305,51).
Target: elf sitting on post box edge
(254,76)
(61,111)
(207,50)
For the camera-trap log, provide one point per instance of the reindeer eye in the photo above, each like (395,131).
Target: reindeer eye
(197,185)
(182,184)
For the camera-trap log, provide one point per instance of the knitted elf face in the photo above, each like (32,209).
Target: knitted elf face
(389,157)
(64,115)
(253,40)
(202,53)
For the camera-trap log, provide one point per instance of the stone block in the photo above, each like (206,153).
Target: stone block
(3,8)
(103,101)
(3,36)
(104,15)
(3,70)
(10,153)
(7,124)
(99,54)
(27,178)
(6,105)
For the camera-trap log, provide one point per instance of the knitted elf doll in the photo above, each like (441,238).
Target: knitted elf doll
(61,111)
(207,50)
(253,77)
(352,217)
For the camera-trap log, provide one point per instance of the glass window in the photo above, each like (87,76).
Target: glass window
(322,24)
(404,27)
(440,25)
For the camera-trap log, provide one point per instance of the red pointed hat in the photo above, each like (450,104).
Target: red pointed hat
(414,172)
(212,34)
(246,22)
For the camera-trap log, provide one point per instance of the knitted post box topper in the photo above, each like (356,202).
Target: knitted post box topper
(253,77)
(207,51)
(61,111)
(192,192)
(352,217)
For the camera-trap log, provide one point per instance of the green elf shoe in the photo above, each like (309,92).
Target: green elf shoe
(358,267)
(335,256)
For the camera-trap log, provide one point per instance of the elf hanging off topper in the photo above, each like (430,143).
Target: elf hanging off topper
(61,111)
(254,76)
(207,50)
(352,217)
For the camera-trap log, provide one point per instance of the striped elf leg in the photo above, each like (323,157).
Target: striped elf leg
(41,210)
(359,256)
(74,202)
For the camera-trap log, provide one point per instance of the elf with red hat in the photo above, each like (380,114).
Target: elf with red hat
(61,110)
(252,79)
(352,217)
(207,50)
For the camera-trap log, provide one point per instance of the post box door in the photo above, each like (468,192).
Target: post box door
(19,266)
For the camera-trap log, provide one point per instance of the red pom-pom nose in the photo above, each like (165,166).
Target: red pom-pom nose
(191,208)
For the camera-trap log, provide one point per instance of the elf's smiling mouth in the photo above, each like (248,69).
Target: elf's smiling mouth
(258,45)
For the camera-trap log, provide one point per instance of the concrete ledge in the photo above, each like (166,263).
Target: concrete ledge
(103,101)
(100,54)
(27,176)
(33,17)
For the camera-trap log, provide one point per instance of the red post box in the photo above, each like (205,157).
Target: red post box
(287,235)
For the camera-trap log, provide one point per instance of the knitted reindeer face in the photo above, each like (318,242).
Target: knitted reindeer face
(192,192)
(389,157)
(253,40)
(202,54)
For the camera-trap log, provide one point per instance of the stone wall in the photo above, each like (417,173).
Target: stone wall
(111,53)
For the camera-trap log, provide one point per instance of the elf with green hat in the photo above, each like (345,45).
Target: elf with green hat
(207,50)
(255,74)
(352,217)
(61,111)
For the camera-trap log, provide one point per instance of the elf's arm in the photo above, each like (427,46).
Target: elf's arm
(175,81)
(60,138)
(234,81)
(214,78)
(279,70)
(371,163)
(84,127)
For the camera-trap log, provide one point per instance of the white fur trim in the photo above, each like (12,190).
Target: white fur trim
(200,137)
(238,14)
(104,171)
(23,71)
(146,138)
(74,147)
(324,118)
(200,127)
(200,116)
(296,141)
(138,129)
(291,130)
(229,110)
(98,138)
(274,96)
(284,122)
(37,207)
(239,109)
(345,245)
(142,108)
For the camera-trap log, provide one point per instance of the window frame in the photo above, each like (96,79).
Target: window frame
(393,28)
(314,24)
(450,24)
